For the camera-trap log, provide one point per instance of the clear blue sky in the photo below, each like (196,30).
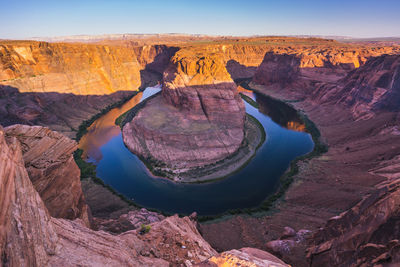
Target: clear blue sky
(357,18)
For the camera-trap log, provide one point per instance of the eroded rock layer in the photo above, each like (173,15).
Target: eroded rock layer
(245,257)
(369,233)
(198,120)
(374,87)
(68,68)
(52,169)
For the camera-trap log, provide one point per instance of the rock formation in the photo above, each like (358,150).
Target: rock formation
(367,234)
(60,112)
(198,120)
(244,257)
(374,87)
(80,69)
(52,169)
(29,236)
(275,68)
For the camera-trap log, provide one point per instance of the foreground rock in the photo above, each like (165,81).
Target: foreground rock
(51,168)
(131,220)
(29,236)
(244,257)
(199,119)
(367,234)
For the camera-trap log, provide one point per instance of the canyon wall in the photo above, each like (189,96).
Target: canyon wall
(374,87)
(367,234)
(79,69)
(59,85)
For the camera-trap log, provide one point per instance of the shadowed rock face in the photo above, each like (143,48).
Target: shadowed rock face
(51,167)
(372,88)
(369,233)
(198,120)
(275,68)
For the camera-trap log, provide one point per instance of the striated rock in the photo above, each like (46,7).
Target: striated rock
(60,112)
(244,257)
(29,236)
(51,167)
(199,83)
(176,240)
(81,69)
(367,233)
(134,219)
(198,120)
(26,233)
(281,69)
(374,87)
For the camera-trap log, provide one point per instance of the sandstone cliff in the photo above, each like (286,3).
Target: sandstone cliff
(275,68)
(80,69)
(374,87)
(52,169)
(198,120)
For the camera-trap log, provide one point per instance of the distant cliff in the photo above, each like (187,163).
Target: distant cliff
(80,69)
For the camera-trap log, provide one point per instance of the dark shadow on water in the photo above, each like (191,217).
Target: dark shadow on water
(280,113)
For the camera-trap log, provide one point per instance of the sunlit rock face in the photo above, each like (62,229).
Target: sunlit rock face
(200,84)
(199,118)
(80,69)
(244,257)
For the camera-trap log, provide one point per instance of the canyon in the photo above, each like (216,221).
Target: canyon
(341,208)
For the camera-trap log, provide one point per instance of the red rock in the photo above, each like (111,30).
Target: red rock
(372,88)
(52,169)
(244,257)
(198,120)
(361,234)
(281,69)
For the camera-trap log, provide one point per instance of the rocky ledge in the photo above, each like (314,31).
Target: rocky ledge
(199,119)
(52,170)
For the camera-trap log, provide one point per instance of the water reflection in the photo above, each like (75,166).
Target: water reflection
(103,129)
(280,113)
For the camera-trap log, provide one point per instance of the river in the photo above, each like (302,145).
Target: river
(286,139)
